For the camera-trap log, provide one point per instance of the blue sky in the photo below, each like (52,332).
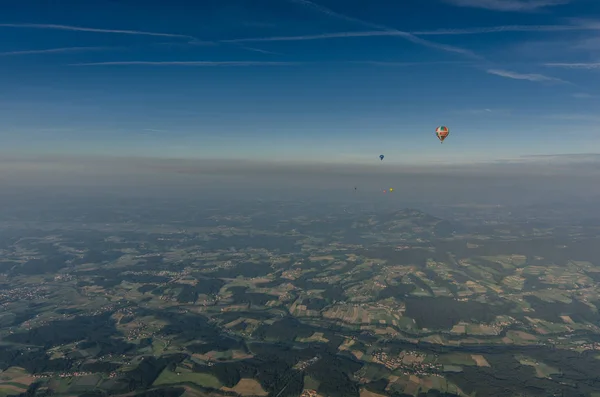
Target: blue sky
(331,80)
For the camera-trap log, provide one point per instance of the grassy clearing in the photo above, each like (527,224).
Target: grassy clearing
(507,260)
(316,337)
(413,385)
(366,393)
(205,380)
(85,382)
(60,385)
(552,295)
(480,329)
(15,378)
(514,282)
(8,390)
(480,360)
(452,368)
(321,258)
(248,387)
(406,323)
(545,371)
(521,338)
(311,383)
(541,370)
(456,359)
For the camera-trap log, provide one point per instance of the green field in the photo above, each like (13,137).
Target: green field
(205,380)
(452,368)
(542,370)
(5,392)
(17,384)
(456,359)
(310,383)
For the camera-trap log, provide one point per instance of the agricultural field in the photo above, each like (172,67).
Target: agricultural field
(184,375)
(248,387)
(346,304)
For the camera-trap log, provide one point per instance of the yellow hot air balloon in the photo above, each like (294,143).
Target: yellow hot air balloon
(391,189)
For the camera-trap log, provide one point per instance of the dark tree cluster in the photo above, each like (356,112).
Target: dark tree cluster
(61,332)
(444,313)
(35,361)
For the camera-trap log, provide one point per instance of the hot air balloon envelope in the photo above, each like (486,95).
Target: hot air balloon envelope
(381,156)
(442,132)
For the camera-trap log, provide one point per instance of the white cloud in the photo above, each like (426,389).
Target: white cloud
(384,63)
(266,63)
(508,5)
(577,65)
(253,49)
(594,118)
(438,32)
(188,63)
(378,33)
(316,36)
(589,44)
(582,95)
(96,30)
(483,111)
(521,76)
(55,50)
(591,24)
(395,32)
(507,28)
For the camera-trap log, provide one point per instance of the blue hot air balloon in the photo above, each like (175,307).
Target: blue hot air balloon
(381,156)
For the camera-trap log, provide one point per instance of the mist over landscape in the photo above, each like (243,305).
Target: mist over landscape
(535,180)
(221,277)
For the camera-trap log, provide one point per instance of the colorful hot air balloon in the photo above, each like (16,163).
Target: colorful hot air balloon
(391,189)
(442,133)
(381,156)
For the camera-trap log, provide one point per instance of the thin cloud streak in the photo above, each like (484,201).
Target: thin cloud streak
(315,36)
(184,44)
(203,43)
(581,65)
(439,32)
(508,5)
(264,63)
(482,111)
(507,28)
(582,95)
(56,50)
(96,30)
(521,76)
(575,117)
(589,44)
(405,35)
(260,51)
(591,24)
(377,33)
(383,63)
(188,63)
